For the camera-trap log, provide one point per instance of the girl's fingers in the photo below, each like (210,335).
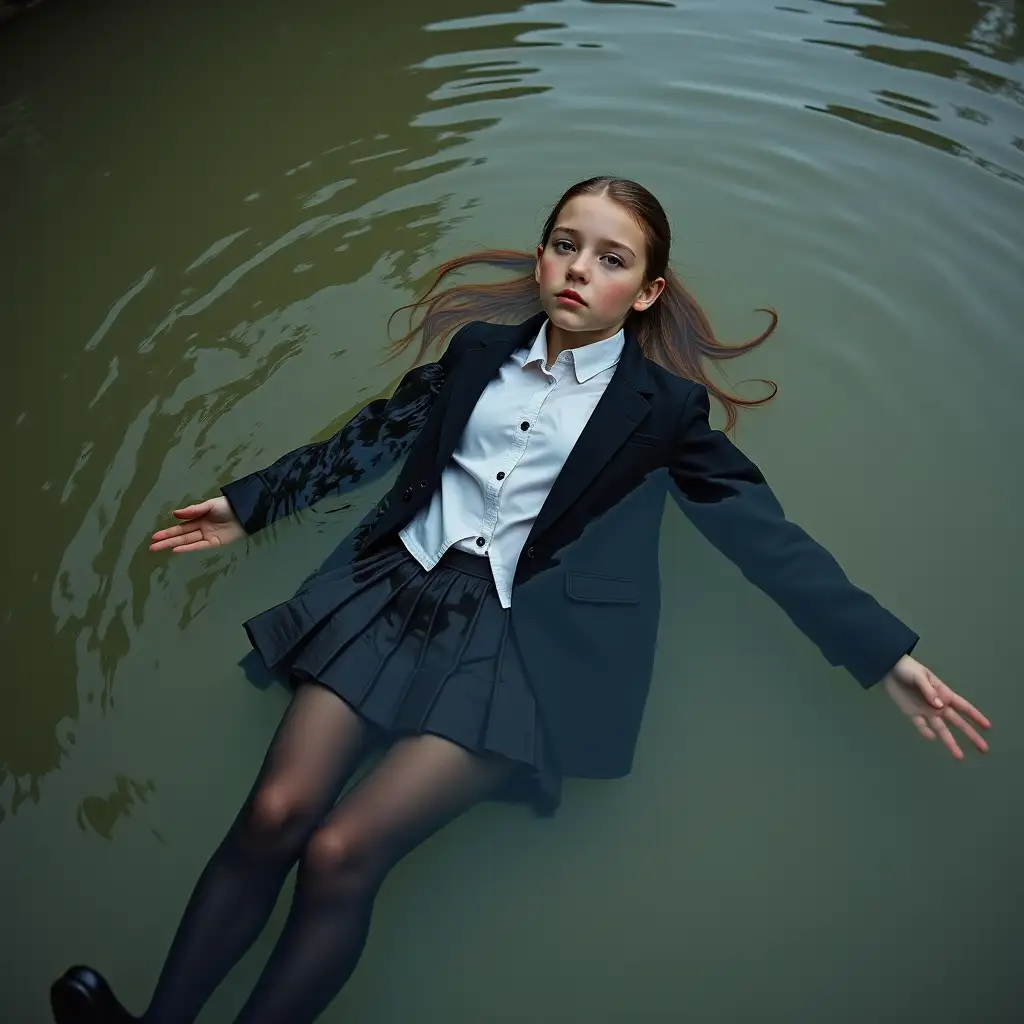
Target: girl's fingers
(968,730)
(931,722)
(182,548)
(925,683)
(964,705)
(922,727)
(946,736)
(173,531)
(172,535)
(164,543)
(193,511)
(178,538)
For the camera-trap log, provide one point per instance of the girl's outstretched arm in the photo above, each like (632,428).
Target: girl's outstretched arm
(364,449)
(727,498)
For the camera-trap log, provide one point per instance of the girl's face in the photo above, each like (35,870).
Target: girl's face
(597,251)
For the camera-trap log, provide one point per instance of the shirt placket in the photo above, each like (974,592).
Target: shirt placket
(521,434)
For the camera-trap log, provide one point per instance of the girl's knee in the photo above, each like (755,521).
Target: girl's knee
(277,811)
(342,855)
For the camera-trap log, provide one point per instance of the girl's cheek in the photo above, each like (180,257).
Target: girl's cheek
(548,273)
(615,295)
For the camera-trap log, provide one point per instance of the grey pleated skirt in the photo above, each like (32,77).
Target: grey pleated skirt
(414,652)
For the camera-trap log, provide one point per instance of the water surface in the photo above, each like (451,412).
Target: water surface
(210,209)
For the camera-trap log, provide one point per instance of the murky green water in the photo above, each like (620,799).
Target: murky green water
(208,211)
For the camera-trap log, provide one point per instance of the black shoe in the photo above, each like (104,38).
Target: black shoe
(82,996)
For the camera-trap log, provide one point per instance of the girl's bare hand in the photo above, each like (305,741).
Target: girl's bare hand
(933,707)
(209,524)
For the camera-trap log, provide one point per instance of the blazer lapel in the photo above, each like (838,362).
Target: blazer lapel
(616,415)
(480,363)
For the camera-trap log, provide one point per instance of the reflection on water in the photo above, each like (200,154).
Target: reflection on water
(990,27)
(987,28)
(209,212)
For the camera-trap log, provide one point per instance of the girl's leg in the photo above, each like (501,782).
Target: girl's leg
(317,746)
(423,783)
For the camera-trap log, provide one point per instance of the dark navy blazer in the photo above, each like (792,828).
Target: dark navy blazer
(586,594)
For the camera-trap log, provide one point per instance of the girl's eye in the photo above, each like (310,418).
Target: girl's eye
(563,245)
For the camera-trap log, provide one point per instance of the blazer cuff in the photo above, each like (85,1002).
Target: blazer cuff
(890,640)
(250,500)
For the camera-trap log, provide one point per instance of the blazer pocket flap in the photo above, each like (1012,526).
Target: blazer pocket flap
(649,439)
(581,586)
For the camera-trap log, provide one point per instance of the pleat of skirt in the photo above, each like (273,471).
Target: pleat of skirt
(417,652)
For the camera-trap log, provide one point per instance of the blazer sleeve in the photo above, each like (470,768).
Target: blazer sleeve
(727,498)
(364,449)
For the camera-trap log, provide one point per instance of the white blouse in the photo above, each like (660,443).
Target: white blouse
(516,441)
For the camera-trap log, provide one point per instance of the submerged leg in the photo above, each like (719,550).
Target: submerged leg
(319,743)
(423,783)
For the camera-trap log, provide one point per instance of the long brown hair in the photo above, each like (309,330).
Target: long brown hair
(674,332)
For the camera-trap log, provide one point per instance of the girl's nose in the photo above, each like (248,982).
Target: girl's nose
(578,269)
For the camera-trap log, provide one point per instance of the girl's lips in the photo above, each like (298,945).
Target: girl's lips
(570,298)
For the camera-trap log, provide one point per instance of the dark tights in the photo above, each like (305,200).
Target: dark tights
(344,853)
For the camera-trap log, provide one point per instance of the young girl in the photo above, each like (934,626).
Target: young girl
(494,618)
